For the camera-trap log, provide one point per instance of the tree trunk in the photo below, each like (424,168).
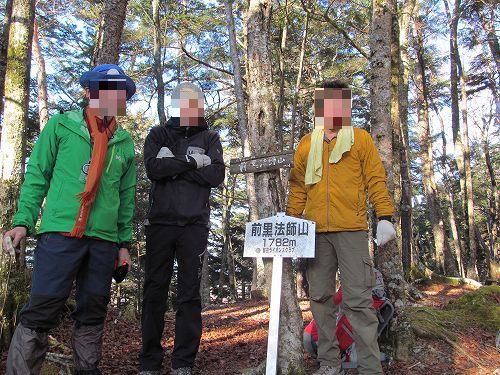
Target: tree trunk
(493,206)
(449,196)
(445,260)
(12,147)
(405,205)
(455,117)
(488,24)
(281,99)
(4,43)
(158,66)
(114,18)
(226,258)
(396,123)
(268,186)
(258,275)
(472,267)
(388,257)
(41,79)
(298,82)
(17,77)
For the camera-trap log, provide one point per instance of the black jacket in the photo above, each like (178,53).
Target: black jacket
(180,192)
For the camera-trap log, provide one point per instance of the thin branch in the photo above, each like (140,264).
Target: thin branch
(203,62)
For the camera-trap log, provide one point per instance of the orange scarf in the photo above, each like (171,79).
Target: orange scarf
(100,138)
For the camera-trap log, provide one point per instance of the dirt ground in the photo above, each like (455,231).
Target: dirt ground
(235,337)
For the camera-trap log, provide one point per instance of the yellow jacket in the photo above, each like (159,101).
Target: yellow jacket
(338,202)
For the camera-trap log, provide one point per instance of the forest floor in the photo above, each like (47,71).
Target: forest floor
(235,336)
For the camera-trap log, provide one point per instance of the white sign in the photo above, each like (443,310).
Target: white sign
(280,236)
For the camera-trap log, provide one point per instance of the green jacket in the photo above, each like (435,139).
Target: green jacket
(57,170)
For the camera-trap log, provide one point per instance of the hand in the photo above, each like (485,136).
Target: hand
(164,153)
(12,238)
(124,257)
(202,160)
(385,232)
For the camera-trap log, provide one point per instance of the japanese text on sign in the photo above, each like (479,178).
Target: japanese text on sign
(280,236)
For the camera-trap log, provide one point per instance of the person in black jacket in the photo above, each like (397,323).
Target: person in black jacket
(184,162)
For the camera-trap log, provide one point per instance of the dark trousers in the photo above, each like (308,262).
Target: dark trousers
(164,243)
(59,260)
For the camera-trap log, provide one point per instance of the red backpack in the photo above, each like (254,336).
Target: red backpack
(345,336)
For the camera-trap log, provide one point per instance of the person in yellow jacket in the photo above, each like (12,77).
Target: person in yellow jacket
(334,166)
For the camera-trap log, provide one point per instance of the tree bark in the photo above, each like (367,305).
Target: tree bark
(470,246)
(258,275)
(449,195)
(462,143)
(158,66)
(405,205)
(445,259)
(298,83)
(488,24)
(41,79)
(4,43)
(388,258)
(268,186)
(226,258)
(473,271)
(12,147)
(113,16)
(493,206)
(396,121)
(17,78)
(281,99)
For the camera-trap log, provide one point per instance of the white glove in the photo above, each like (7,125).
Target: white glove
(164,153)
(385,232)
(202,160)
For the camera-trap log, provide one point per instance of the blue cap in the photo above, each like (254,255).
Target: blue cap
(108,72)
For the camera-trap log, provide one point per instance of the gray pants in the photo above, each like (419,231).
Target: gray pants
(347,252)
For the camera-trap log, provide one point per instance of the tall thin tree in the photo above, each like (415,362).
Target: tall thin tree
(268,186)
(258,275)
(158,66)
(445,259)
(41,78)
(388,257)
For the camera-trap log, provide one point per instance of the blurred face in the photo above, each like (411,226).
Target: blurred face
(108,97)
(332,108)
(189,108)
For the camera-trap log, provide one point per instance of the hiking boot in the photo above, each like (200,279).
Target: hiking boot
(149,372)
(329,370)
(181,371)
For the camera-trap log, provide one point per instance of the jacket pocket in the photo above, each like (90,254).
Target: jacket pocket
(368,271)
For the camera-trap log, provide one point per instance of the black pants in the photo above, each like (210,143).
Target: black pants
(164,243)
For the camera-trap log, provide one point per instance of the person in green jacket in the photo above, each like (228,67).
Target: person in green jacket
(83,164)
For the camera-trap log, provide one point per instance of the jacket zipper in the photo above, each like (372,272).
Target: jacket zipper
(111,158)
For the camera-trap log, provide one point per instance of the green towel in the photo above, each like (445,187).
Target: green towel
(314,170)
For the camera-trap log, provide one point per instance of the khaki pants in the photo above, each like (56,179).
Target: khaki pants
(347,252)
